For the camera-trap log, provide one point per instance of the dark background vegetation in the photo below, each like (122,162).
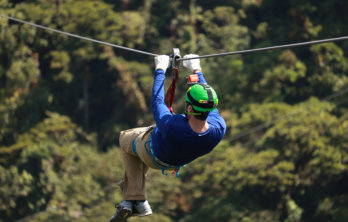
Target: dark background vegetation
(63,102)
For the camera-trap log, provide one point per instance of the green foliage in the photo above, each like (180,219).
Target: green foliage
(63,102)
(57,168)
(331,66)
(281,78)
(294,211)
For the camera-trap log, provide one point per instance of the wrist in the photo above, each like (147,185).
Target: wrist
(161,67)
(196,71)
(159,71)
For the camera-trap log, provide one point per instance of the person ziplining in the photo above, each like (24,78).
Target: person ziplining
(175,140)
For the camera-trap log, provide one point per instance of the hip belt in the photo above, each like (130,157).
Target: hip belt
(157,162)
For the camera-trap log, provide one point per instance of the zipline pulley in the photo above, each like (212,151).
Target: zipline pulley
(175,57)
(169,98)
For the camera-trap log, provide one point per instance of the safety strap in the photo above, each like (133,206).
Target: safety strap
(169,99)
(134,148)
(157,162)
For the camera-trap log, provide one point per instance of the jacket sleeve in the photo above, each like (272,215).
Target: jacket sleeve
(160,111)
(201,78)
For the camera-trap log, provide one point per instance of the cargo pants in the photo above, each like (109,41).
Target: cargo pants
(136,164)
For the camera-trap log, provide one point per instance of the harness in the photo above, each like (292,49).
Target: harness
(157,162)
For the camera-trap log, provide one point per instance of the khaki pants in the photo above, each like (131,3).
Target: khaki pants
(133,182)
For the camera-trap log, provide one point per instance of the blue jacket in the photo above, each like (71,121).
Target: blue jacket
(173,140)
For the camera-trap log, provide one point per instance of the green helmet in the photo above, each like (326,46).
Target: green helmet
(202,97)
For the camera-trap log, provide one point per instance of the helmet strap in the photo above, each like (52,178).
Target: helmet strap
(191,113)
(210,94)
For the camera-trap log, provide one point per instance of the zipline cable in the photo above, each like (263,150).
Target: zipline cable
(77,36)
(180,59)
(269,48)
(267,124)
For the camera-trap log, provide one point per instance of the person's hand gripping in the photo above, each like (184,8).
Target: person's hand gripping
(192,64)
(162,62)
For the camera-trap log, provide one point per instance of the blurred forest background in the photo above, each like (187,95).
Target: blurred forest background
(63,102)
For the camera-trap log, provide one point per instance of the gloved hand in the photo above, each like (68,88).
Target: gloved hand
(192,64)
(162,62)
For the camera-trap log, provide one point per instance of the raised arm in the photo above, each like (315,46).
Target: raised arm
(160,111)
(195,67)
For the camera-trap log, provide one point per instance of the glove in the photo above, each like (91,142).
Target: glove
(162,62)
(192,64)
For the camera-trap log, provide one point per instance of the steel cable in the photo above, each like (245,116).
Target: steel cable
(180,59)
(77,36)
(269,48)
